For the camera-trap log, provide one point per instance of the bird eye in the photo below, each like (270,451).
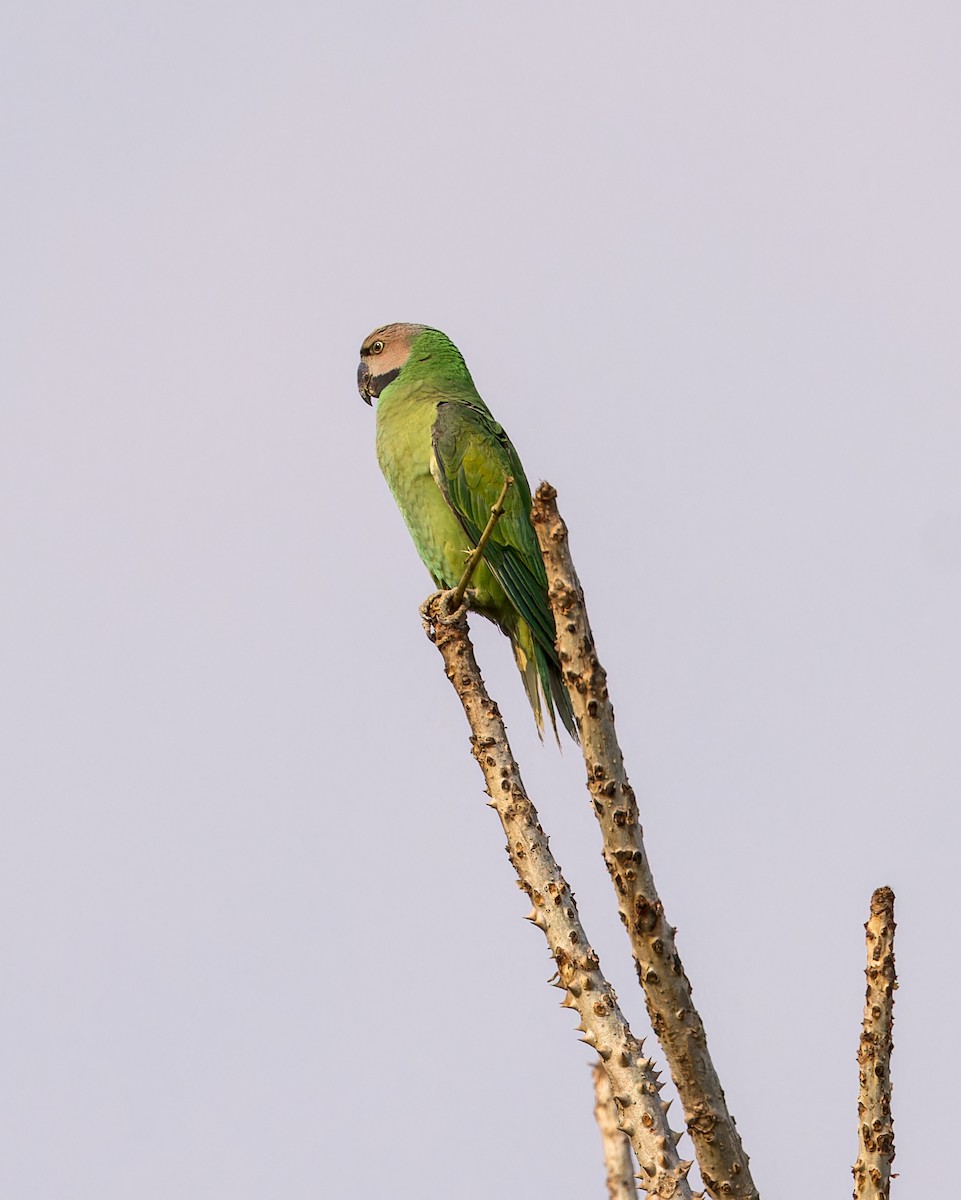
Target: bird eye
(377,347)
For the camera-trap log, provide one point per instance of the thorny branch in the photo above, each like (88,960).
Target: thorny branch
(720,1155)
(872,1171)
(617,1148)
(633,1079)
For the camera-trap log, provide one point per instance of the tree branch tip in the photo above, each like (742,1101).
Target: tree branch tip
(882,901)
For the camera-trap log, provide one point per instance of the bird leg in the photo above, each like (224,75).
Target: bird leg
(457,596)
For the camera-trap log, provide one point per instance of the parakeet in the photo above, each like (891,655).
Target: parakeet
(445,459)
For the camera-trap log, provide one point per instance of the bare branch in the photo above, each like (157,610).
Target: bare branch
(872,1171)
(634,1081)
(478,553)
(617,1147)
(675,1020)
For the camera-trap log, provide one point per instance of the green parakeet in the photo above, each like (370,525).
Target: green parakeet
(445,459)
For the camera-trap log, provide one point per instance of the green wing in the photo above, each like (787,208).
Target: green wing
(473,456)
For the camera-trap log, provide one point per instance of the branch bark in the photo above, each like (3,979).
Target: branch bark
(633,1079)
(720,1155)
(617,1148)
(872,1171)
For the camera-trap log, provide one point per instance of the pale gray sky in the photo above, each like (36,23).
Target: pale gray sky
(703,261)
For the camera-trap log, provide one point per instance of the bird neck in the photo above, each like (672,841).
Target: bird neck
(435,360)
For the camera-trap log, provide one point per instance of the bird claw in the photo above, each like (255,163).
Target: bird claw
(437,608)
(449,616)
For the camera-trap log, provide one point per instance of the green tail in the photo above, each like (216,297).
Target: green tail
(543,681)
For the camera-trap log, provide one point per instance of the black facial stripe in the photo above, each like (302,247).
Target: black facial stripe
(379,382)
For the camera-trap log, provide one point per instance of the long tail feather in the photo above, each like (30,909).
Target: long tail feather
(543,683)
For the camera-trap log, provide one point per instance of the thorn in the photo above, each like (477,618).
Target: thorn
(589,1039)
(677,1136)
(665,1106)
(605,1052)
(685,1166)
(623,1100)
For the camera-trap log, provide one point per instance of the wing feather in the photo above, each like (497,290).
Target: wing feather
(472,457)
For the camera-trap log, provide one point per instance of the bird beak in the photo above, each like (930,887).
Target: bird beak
(363,382)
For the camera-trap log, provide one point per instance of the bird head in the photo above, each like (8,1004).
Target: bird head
(383,356)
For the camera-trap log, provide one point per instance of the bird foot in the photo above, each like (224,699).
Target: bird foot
(438,608)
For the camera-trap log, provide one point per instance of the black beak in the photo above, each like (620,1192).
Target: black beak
(363,382)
